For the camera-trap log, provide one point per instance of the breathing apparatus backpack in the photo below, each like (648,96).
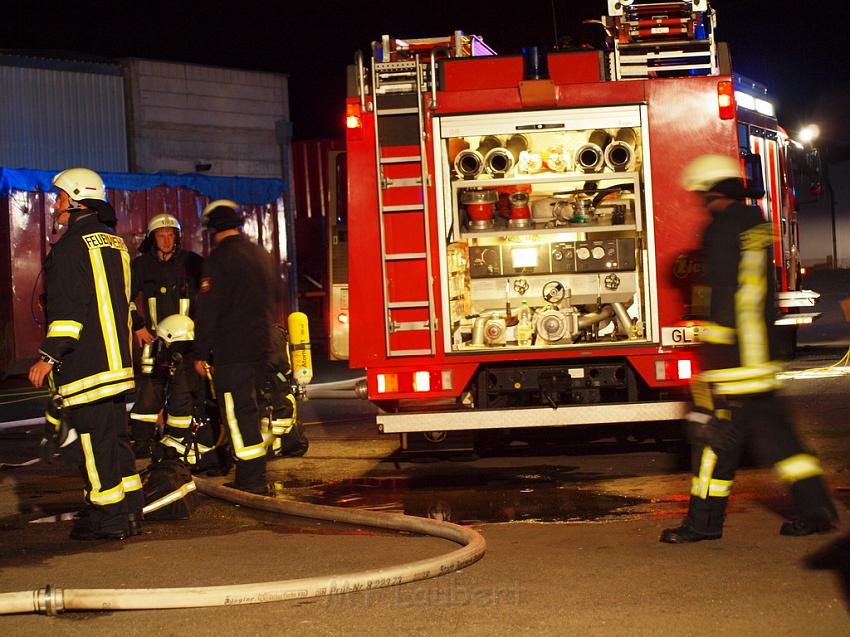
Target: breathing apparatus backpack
(289,371)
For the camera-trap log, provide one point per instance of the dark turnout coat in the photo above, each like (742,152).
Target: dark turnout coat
(87,286)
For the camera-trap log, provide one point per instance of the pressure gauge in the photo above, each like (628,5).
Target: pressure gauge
(598,252)
(583,253)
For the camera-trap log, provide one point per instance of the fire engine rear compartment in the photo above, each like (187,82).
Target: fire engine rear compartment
(543,238)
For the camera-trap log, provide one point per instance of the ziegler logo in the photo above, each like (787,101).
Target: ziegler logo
(685,266)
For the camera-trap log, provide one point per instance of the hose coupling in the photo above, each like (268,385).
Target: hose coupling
(50,600)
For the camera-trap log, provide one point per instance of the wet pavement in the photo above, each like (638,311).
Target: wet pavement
(572,533)
(500,495)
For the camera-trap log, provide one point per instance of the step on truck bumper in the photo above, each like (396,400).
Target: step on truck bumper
(564,416)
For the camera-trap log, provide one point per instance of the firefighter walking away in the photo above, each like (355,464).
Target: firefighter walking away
(735,398)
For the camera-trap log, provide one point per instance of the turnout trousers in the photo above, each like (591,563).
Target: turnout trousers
(236,391)
(112,485)
(762,421)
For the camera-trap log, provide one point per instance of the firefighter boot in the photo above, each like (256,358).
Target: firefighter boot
(817,513)
(94,524)
(703,522)
(295,443)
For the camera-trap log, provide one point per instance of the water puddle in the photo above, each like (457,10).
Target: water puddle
(497,496)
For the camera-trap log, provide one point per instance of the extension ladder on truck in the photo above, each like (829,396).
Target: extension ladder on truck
(409,313)
(662,39)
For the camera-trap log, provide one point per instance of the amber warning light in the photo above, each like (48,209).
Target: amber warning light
(352,116)
(353,122)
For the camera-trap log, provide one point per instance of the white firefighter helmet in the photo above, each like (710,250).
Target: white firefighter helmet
(222,214)
(175,329)
(80,183)
(164,220)
(706,171)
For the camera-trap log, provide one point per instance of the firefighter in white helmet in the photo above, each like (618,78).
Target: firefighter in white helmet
(168,482)
(86,355)
(165,277)
(734,397)
(236,306)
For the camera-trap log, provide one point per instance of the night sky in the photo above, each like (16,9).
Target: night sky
(799,49)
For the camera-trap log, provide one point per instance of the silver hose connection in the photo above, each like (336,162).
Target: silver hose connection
(590,157)
(500,160)
(620,153)
(469,164)
(49,600)
(360,390)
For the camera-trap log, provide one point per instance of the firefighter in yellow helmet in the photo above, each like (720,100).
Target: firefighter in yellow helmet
(167,278)
(734,397)
(86,355)
(233,326)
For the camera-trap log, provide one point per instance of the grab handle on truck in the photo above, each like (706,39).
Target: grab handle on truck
(440,49)
(358,60)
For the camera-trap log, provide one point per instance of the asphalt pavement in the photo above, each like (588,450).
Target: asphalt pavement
(603,573)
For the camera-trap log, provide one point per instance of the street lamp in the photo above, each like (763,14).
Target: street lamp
(807,135)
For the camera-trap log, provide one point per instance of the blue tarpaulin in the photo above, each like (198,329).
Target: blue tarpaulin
(242,190)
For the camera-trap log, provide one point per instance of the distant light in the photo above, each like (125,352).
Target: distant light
(809,133)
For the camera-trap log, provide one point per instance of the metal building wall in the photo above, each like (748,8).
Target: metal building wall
(185,118)
(57,114)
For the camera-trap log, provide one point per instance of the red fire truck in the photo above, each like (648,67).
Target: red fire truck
(520,246)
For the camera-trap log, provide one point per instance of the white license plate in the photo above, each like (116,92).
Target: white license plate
(674,336)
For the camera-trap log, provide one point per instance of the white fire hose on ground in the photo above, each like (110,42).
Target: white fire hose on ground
(52,600)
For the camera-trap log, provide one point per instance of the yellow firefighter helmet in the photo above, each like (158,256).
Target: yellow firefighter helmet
(706,171)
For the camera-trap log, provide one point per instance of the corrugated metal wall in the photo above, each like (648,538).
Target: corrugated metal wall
(53,118)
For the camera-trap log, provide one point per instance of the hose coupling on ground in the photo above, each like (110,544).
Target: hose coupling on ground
(50,600)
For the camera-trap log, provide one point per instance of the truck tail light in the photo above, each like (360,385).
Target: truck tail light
(421,381)
(673,369)
(725,99)
(404,382)
(387,383)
